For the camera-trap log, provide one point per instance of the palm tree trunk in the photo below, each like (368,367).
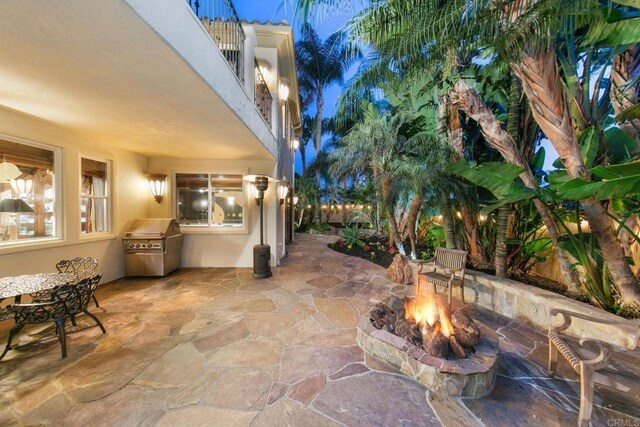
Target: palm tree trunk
(317,219)
(378,209)
(542,85)
(385,185)
(474,107)
(447,224)
(412,219)
(501,240)
(469,216)
(623,96)
(344,204)
(317,140)
(513,129)
(303,157)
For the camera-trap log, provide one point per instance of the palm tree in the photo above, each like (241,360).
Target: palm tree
(372,145)
(321,64)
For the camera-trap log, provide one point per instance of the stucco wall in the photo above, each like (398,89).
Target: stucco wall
(215,249)
(131,198)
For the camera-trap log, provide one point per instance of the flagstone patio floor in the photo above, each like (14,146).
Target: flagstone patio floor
(216,347)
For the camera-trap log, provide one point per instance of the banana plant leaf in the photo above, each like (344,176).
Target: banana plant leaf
(616,181)
(620,146)
(517,194)
(494,176)
(630,113)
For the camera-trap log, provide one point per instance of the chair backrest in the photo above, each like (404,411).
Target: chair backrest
(81,267)
(76,297)
(85,289)
(39,312)
(453,259)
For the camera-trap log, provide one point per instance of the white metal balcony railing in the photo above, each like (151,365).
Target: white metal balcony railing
(262,96)
(221,20)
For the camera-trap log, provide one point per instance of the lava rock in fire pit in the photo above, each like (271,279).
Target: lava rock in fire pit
(396,305)
(435,343)
(382,317)
(409,331)
(465,330)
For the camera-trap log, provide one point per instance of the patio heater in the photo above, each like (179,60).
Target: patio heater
(261,252)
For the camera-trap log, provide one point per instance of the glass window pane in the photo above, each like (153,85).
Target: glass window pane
(27,195)
(228,200)
(94,200)
(94,215)
(193,199)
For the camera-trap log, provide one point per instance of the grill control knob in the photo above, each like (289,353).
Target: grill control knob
(131,245)
(137,245)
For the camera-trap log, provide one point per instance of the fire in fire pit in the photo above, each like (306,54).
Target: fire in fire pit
(425,322)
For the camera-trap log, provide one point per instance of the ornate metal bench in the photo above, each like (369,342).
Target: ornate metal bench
(593,360)
(450,261)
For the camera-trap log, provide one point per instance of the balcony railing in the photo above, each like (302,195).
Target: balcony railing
(262,96)
(221,20)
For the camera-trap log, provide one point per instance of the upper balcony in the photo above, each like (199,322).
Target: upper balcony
(149,77)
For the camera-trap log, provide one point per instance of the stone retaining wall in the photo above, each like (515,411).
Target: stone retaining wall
(532,305)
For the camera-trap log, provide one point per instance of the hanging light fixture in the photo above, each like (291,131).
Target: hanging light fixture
(157,185)
(8,171)
(21,186)
(283,90)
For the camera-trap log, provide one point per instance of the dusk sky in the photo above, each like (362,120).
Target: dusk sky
(276,10)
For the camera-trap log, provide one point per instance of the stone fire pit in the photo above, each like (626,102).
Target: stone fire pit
(472,377)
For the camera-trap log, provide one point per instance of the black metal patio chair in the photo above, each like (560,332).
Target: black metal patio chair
(81,267)
(67,301)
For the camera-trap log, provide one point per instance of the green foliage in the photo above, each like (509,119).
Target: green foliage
(352,236)
(320,228)
(615,181)
(590,262)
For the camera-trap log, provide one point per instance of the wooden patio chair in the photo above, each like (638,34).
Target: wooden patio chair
(593,360)
(451,262)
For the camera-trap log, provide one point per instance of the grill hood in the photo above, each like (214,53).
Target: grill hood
(149,228)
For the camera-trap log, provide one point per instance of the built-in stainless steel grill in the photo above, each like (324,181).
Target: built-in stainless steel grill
(152,247)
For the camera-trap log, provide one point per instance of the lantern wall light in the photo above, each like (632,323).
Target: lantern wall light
(157,185)
(283,190)
(283,90)
(295,200)
(295,143)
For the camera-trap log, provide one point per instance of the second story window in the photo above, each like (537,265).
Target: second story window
(94,197)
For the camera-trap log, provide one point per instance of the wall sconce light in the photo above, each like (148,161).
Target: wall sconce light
(21,186)
(264,67)
(295,144)
(283,190)
(157,185)
(283,90)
